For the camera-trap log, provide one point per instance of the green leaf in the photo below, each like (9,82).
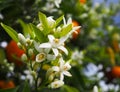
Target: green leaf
(43,20)
(66,29)
(69,89)
(26,29)
(38,33)
(59,20)
(26,87)
(9,90)
(11,32)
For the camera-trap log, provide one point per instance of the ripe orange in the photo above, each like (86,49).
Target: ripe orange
(83,1)
(76,32)
(6,84)
(13,53)
(116,71)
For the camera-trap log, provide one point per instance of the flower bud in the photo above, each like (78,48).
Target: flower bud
(11,68)
(51,22)
(95,89)
(24,57)
(22,39)
(19,45)
(30,52)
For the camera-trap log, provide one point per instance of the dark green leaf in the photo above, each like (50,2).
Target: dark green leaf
(9,90)
(26,87)
(12,33)
(69,89)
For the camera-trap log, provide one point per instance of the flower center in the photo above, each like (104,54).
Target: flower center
(41,56)
(56,41)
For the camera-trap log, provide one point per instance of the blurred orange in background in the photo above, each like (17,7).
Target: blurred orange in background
(83,1)
(14,53)
(6,84)
(76,32)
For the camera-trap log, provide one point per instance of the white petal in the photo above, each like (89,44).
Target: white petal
(63,49)
(56,68)
(61,76)
(50,57)
(46,50)
(66,73)
(69,21)
(36,45)
(61,61)
(57,3)
(64,21)
(55,51)
(45,45)
(67,66)
(51,38)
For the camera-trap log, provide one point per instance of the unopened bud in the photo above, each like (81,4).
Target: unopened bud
(51,22)
(19,45)
(30,52)
(51,77)
(21,38)
(24,57)
(33,73)
(95,89)
(11,68)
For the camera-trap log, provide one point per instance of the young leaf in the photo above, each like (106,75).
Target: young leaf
(43,20)
(11,32)
(39,35)
(66,29)
(59,20)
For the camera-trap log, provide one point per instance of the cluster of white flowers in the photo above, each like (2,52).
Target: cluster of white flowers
(51,5)
(48,52)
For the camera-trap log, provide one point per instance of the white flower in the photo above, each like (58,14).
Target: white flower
(57,84)
(57,3)
(43,54)
(50,7)
(77,56)
(55,44)
(29,76)
(62,69)
(51,22)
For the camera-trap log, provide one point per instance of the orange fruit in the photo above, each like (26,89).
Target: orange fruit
(116,71)
(14,53)
(83,1)
(6,84)
(76,32)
